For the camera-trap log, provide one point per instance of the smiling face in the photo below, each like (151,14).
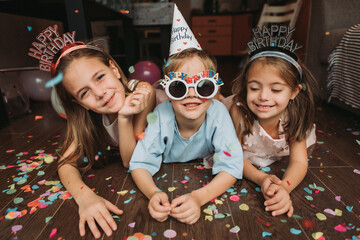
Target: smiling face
(94,85)
(267,92)
(191,107)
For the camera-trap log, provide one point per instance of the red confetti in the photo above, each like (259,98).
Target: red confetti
(227,154)
(267,224)
(53,233)
(10,151)
(259,220)
(288,182)
(140,136)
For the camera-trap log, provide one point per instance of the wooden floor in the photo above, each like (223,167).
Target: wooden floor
(327,203)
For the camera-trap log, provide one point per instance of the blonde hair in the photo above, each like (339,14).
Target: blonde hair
(84,127)
(177,59)
(301,111)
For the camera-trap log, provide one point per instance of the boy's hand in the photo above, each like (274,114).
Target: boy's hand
(280,202)
(93,208)
(159,206)
(186,208)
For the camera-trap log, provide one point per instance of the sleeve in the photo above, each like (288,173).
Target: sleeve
(149,150)
(228,154)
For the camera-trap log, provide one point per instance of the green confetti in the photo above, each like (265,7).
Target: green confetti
(48,219)
(18,200)
(310,198)
(131,69)
(151,118)
(41,173)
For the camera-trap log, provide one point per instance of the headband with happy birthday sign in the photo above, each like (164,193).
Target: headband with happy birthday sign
(274,42)
(50,42)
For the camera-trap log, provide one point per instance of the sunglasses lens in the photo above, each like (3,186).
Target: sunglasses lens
(205,88)
(177,89)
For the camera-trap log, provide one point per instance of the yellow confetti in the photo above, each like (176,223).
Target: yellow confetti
(122,193)
(244,207)
(338,212)
(321,216)
(227,225)
(218,202)
(209,218)
(317,235)
(48,159)
(208,211)
(108,178)
(171,189)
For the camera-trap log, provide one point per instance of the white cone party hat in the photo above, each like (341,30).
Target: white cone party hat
(181,35)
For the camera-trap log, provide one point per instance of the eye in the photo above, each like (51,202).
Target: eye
(276,90)
(100,77)
(254,88)
(83,94)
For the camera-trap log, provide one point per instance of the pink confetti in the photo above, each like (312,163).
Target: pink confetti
(357,171)
(16,228)
(340,228)
(91,175)
(184,181)
(53,233)
(132,225)
(227,154)
(338,198)
(169,233)
(329,211)
(234,198)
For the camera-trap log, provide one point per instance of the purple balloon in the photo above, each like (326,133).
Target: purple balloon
(146,71)
(34,84)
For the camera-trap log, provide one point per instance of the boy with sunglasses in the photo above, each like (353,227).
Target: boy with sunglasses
(188,126)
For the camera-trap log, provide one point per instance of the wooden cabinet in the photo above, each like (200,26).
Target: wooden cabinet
(222,35)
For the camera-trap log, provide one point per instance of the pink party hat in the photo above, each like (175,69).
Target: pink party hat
(181,35)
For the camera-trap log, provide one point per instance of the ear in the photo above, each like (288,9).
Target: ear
(114,69)
(296,92)
(76,101)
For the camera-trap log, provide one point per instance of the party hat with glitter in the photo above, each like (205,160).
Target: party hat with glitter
(181,35)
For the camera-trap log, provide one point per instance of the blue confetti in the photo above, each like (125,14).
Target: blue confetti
(349,208)
(266,234)
(56,80)
(127,201)
(167,63)
(295,231)
(266,169)
(29,28)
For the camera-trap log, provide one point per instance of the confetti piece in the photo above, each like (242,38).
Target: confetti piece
(132,191)
(208,211)
(54,81)
(127,201)
(338,198)
(227,154)
(132,225)
(288,183)
(244,207)
(86,159)
(47,219)
(338,212)
(41,173)
(321,216)
(209,218)
(16,228)
(169,233)
(308,224)
(122,193)
(235,229)
(235,198)
(295,231)
(349,208)
(48,159)
(151,118)
(131,69)
(18,200)
(266,234)
(340,228)
(266,169)
(53,233)
(139,136)
(317,235)
(310,198)
(357,171)
(171,189)
(38,117)
(29,28)
(329,211)
(219,202)
(167,63)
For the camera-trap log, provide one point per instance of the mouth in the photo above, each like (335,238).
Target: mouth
(265,107)
(108,101)
(191,105)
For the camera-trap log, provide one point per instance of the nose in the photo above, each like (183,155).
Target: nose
(191,92)
(264,95)
(99,91)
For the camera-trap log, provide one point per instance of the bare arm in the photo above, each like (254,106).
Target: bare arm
(132,125)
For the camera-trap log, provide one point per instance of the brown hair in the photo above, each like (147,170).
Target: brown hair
(84,127)
(301,111)
(177,59)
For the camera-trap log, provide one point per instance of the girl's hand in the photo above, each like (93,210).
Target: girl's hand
(159,206)
(136,102)
(280,202)
(186,209)
(95,208)
(269,185)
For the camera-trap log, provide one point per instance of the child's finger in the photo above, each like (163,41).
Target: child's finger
(178,201)
(275,179)
(291,211)
(82,227)
(113,208)
(95,231)
(103,223)
(271,190)
(181,212)
(282,210)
